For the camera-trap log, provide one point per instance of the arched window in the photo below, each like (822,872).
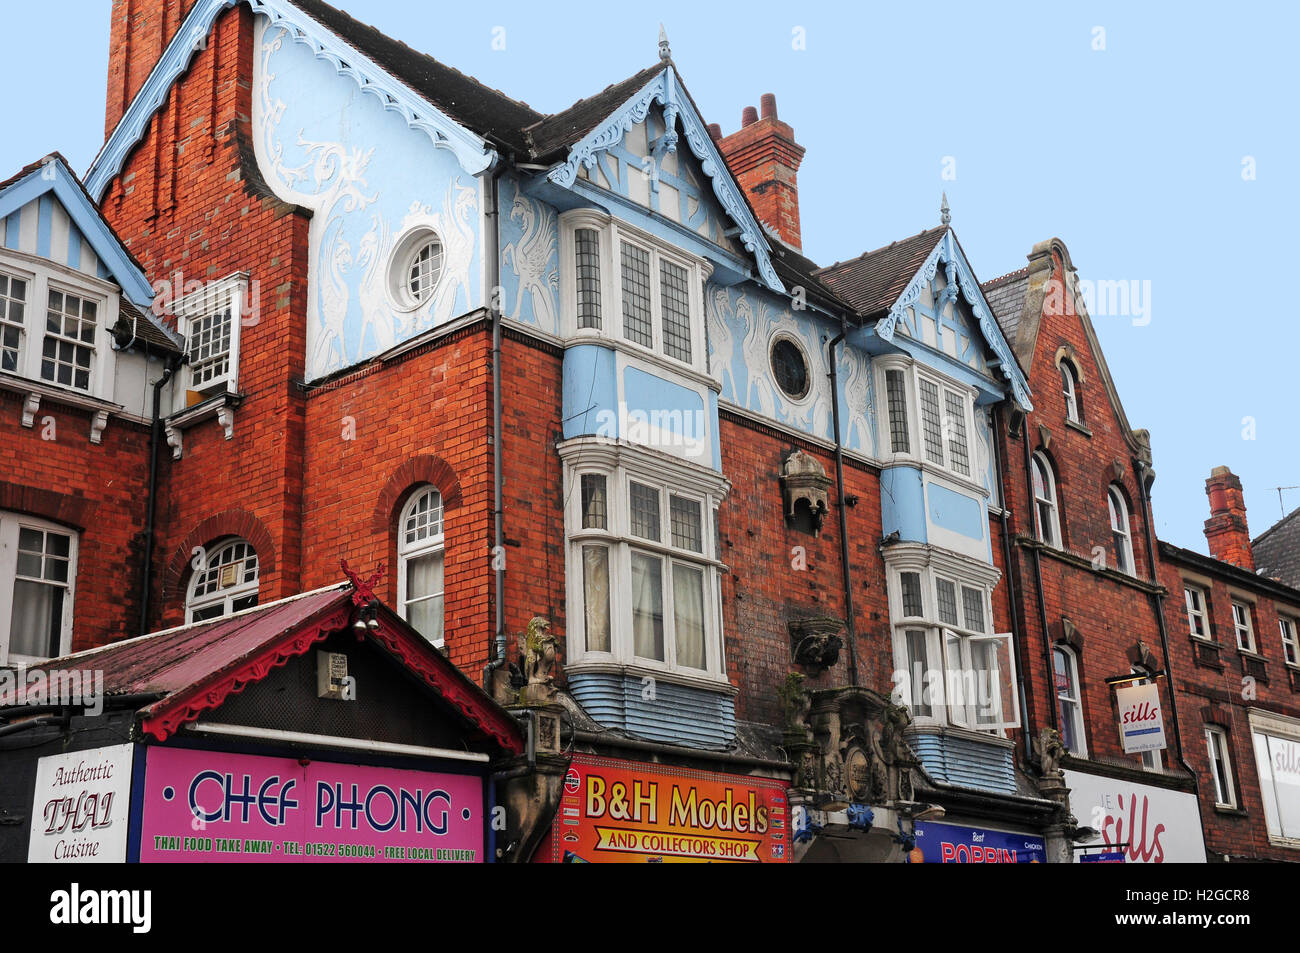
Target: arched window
(1047,523)
(1119,529)
(1069,704)
(224,581)
(420,564)
(1070,386)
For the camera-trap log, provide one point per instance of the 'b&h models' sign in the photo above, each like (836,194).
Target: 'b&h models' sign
(1141,724)
(625,811)
(79,810)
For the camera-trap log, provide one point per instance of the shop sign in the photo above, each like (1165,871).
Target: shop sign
(1159,826)
(951,844)
(1278,760)
(616,811)
(1103,857)
(80,807)
(214,806)
(1141,723)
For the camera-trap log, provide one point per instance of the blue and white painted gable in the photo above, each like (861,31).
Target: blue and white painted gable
(44,228)
(943,324)
(370,180)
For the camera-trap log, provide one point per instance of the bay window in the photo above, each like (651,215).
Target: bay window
(643,564)
(952,668)
(942,409)
(623,284)
(38,571)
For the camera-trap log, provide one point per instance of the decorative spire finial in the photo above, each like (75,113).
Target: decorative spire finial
(945,214)
(665,53)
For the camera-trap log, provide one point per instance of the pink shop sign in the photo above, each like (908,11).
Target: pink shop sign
(215,807)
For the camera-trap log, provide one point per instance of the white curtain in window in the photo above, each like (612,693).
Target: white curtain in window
(595,585)
(647,607)
(688,615)
(424,595)
(36,619)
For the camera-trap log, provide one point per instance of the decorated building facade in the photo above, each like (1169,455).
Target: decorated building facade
(752,550)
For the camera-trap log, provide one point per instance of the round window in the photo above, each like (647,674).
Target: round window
(416,268)
(790,368)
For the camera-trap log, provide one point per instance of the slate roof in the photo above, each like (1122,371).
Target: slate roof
(551,137)
(796,271)
(1277,550)
(873,281)
(488,112)
(1006,296)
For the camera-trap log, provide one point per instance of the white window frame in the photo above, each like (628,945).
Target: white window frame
(622,465)
(913,374)
(943,685)
(1056,542)
(1220,754)
(224,596)
(1203,613)
(1246,607)
(1077,722)
(1289,629)
(1118,507)
(230,293)
(1070,390)
(418,549)
(44,275)
(611,234)
(10,524)
(1267,727)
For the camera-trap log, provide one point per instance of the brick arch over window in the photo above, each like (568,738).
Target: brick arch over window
(424,468)
(71,511)
(239,523)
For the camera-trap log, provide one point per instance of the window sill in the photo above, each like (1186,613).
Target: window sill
(222,407)
(1075,425)
(1228,811)
(33,392)
(591,336)
(923,726)
(705,682)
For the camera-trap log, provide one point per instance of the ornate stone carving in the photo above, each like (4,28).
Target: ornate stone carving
(538,650)
(860,749)
(803,478)
(815,643)
(1051,749)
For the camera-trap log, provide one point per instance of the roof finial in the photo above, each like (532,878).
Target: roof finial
(945,214)
(665,53)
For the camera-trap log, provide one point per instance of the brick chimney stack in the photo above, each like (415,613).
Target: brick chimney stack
(140,31)
(1226,529)
(764,158)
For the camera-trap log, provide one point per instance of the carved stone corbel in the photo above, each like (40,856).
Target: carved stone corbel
(175,441)
(815,642)
(226,417)
(31,404)
(97,424)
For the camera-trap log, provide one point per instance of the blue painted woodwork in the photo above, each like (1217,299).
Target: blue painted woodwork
(678,715)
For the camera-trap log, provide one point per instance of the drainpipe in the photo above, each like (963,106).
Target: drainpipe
(844,519)
(1038,580)
(493,255)
(151,503)
(1159,603)
(1016,629)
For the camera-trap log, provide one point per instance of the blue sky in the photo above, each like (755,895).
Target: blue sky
(1133,155)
